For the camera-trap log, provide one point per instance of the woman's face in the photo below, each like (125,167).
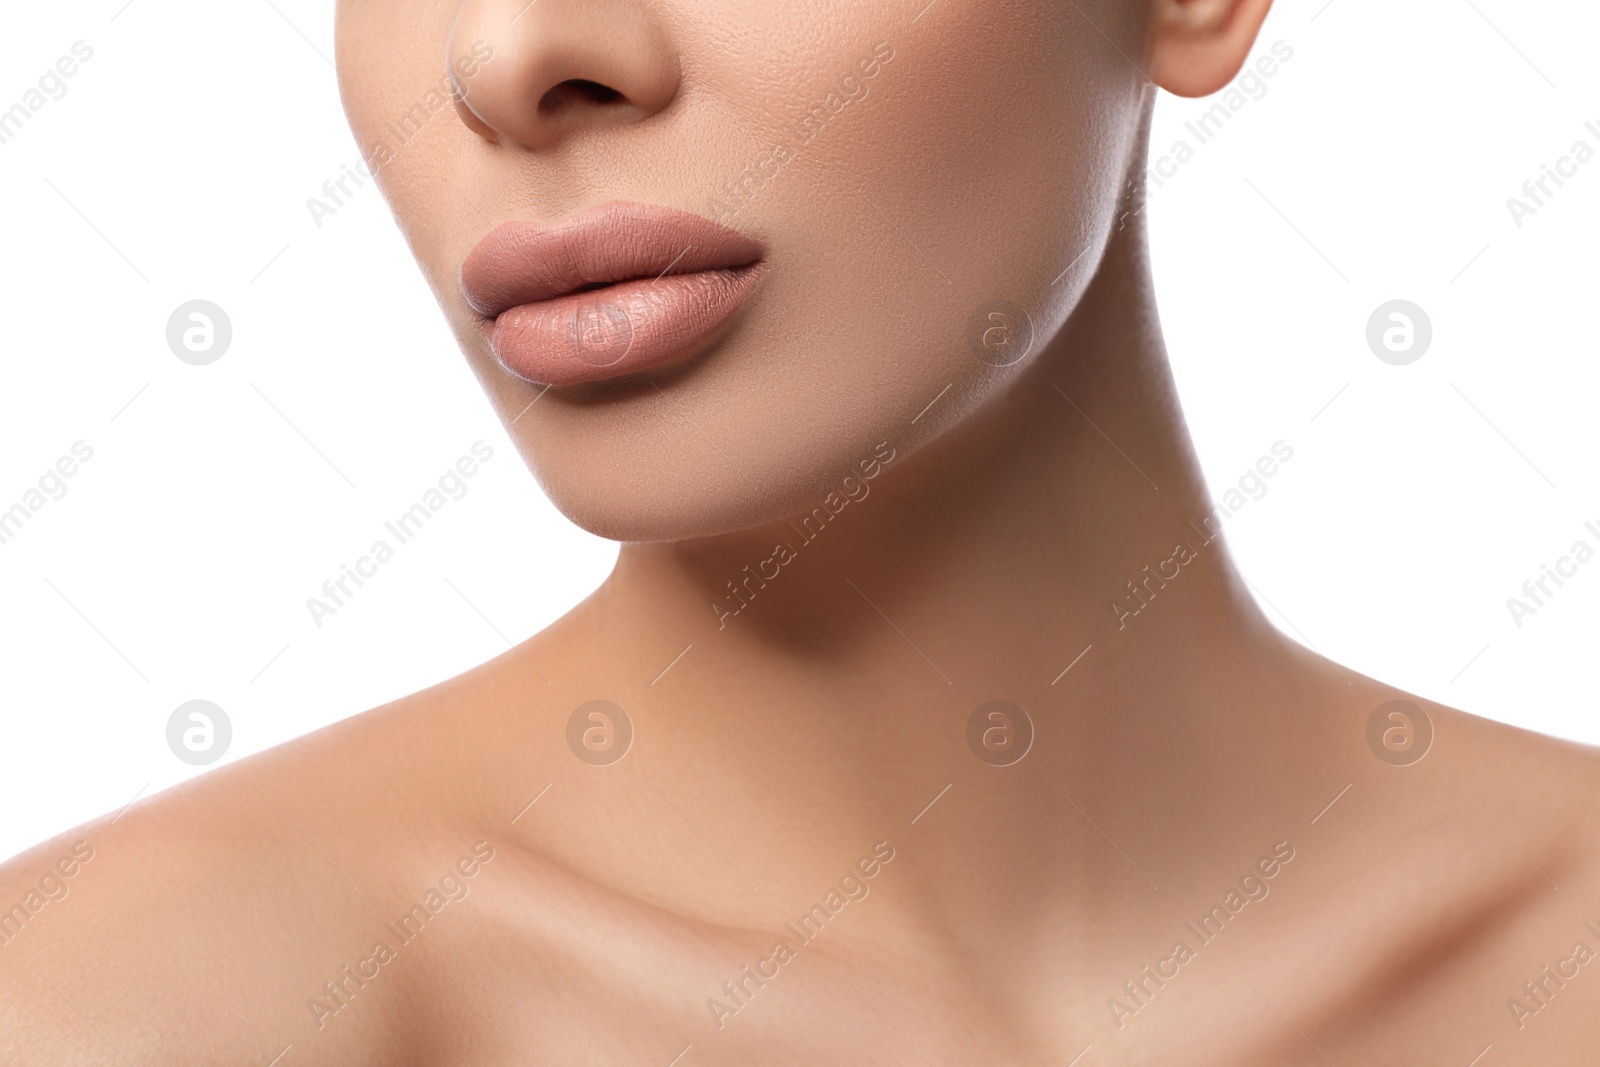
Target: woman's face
(917,178)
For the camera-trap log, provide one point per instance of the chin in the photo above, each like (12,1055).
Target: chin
(654,478)
(669,499)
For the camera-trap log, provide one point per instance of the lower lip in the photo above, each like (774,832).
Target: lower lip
(619,329)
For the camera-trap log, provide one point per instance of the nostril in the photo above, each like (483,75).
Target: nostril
(576,91)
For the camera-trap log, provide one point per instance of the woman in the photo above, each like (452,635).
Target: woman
(924,717)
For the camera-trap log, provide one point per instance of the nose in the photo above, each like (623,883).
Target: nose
(535,72)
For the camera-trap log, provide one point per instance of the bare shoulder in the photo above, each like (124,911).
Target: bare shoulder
(1535,803)
(208,922)
(1523,803)
(1549,784)
(1458,901)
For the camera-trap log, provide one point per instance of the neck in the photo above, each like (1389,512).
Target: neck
(1058,550)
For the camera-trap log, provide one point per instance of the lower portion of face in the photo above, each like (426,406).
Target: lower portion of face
(919,177)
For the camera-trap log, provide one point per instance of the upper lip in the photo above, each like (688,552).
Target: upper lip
(523,262)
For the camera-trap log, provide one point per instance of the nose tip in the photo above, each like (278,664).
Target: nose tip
(547,69)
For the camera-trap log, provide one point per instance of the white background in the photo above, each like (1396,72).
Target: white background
(1376,166)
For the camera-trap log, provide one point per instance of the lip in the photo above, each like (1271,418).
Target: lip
(615,290)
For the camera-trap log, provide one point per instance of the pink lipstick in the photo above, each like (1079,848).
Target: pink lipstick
(615,290)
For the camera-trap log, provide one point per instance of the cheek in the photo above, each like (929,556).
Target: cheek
(393,85)
(984,159)
(986,152)
(977,168)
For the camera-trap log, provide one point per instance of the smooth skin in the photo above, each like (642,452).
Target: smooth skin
(1191,750)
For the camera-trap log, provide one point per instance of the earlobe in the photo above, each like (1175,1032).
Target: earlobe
(1197,46)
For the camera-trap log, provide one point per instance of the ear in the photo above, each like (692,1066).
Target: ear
(1197,46)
